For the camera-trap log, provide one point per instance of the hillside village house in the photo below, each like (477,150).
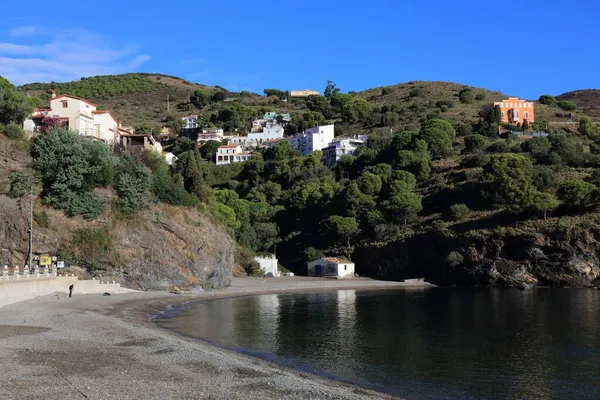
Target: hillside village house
(342,147)
(515,110)
(303,93)
(311,140)
(208,134)
(80,115)
(190,122)
(231,153)
(338,267)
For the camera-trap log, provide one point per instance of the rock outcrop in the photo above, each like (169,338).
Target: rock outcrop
(556,257)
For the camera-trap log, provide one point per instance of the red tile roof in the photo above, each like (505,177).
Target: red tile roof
(229,146)
(74,97)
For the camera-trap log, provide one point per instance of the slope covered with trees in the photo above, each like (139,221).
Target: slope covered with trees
(150,101)
(435,192)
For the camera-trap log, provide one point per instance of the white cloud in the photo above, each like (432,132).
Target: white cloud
(66,55)
(25,31)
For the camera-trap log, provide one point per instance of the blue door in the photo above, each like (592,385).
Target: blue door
(318,270)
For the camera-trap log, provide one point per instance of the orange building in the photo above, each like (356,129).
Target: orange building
(515,110)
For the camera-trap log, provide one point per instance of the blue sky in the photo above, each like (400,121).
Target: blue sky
(526,48)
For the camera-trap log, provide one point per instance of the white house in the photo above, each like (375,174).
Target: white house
(231,153)
(342,147)
(79,115)
(208,134)
(331,266)
(269,132)
(244,141)
(190,122)
(268,264)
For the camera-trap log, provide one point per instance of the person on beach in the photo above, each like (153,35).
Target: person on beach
(71,290)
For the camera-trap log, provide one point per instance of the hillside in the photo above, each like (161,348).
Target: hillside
(141,100)
(163,246)
(588,100)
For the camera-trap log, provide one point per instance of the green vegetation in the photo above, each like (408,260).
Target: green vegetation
(434,163)
(101,87)
(567,105)
(547,99)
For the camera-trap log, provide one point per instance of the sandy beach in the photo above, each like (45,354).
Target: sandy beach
(106,347)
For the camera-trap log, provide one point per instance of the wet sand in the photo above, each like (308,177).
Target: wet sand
(106,347)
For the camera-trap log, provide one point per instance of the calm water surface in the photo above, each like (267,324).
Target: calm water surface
(423,344)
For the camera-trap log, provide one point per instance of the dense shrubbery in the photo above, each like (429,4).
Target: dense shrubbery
(101,87)
(567,105)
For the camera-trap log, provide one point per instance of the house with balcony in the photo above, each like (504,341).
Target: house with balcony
(342,147)
(516,111)
(231,153)
(207,134)
(191,125)
(79,115)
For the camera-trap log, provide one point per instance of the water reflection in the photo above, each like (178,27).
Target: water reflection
(429,344)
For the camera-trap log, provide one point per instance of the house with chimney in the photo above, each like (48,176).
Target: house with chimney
(81,116)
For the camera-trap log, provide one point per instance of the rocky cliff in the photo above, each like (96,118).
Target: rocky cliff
(157,248)
(557,254)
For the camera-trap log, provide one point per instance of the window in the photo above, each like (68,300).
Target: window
(345,267)
(502,114)
(526,115)
(65,103)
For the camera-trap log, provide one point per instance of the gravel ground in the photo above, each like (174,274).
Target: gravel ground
(105,347)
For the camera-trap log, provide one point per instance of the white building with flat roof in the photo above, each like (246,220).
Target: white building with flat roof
(231,153)
(342,147)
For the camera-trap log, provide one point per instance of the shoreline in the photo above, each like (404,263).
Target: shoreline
(94,346)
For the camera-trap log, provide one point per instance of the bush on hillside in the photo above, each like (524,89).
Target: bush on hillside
(567,105)
(13,131)
(133,183)
(544,178)
(71,167)
(480,96)
(416,92)
(457,212)
(578,195)
(474,143)
(547,99)
(465,130)
(466,96)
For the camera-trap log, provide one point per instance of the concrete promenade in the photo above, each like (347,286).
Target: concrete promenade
(22,285)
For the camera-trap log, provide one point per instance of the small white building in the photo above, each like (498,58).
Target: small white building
(341,147)
(331,266)
(268,264)
(190,122)
(231,153)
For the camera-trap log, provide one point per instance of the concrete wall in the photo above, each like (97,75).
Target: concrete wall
(13,291)
(267,264)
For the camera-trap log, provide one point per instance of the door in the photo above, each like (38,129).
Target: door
(318,270)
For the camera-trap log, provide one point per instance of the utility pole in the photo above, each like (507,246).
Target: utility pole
(30,229)
(168,104)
